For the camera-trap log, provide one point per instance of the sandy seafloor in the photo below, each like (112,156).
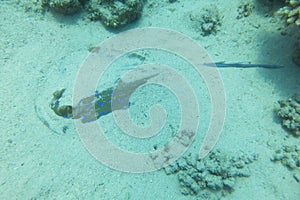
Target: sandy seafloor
(42,53)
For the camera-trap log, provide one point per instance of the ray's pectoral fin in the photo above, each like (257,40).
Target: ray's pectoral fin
(95,106)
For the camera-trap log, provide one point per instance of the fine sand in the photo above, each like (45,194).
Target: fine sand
(41,53)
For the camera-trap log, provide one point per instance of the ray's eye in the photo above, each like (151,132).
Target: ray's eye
(65,111)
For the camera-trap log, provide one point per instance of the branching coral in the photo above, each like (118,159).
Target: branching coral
(289,113)
(291,12)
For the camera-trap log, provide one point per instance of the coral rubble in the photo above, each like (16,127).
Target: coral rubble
(289,156)
(289,113)
(66,6)
(244,10)
(209,21)
(115,13)
(110,12)
(217,171)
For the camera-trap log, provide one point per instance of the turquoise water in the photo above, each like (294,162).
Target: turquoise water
(190,131)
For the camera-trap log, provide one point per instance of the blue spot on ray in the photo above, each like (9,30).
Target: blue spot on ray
(121,101)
